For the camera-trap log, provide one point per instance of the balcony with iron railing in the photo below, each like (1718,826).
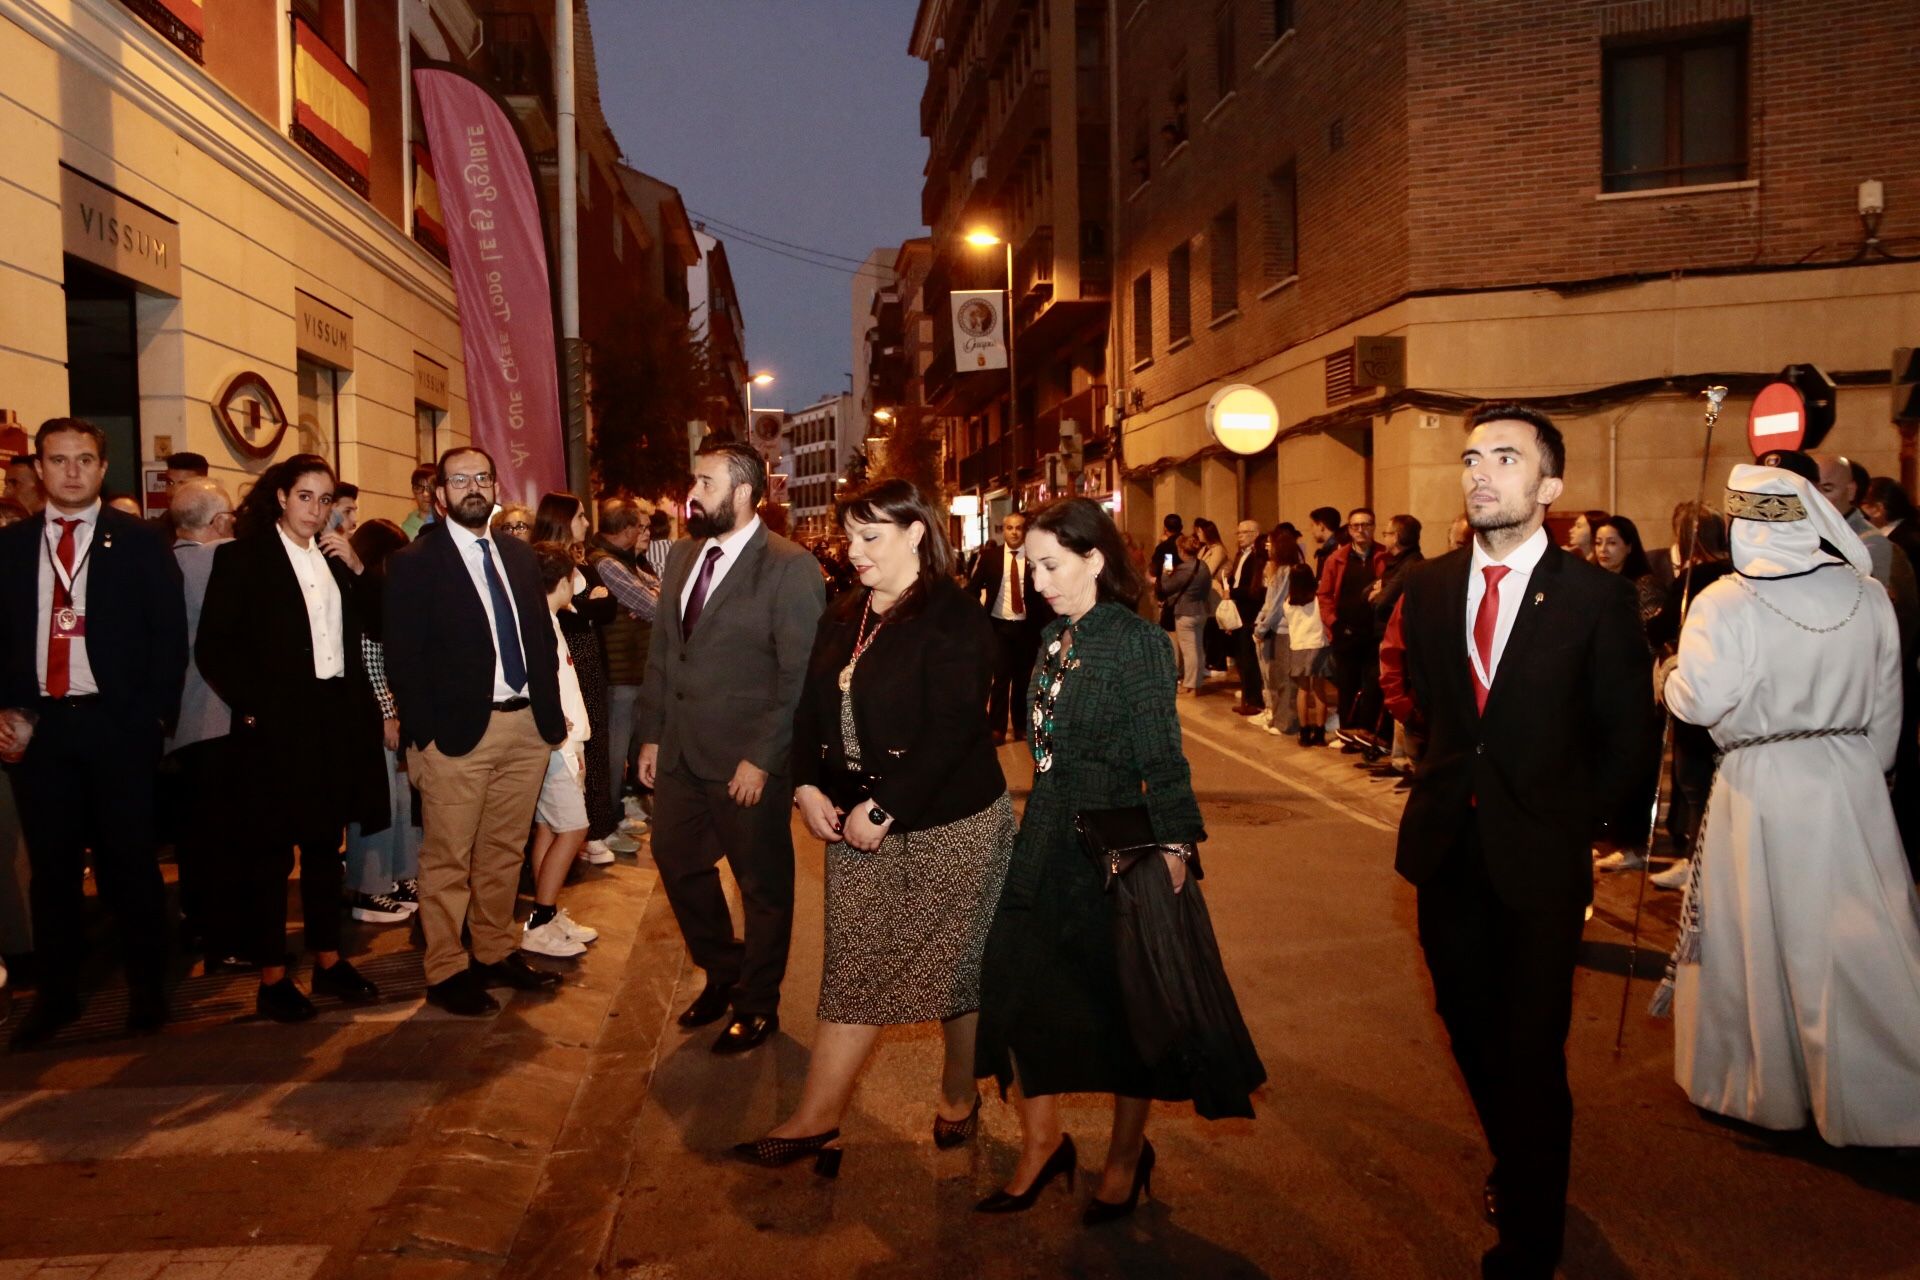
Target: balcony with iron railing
(522,62)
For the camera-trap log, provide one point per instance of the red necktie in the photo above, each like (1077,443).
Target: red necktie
(59,642)
(1019,605)
(698,600)
(1485,623)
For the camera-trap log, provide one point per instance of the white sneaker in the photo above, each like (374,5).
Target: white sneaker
(619,844)
(1620,860)
(574,929)
(1674,877)
(550,939)
(597,853)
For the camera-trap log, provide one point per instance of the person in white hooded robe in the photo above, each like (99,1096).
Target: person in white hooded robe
(1795,987)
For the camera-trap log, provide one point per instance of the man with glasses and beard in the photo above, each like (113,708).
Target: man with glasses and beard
(739,605)
(474,668)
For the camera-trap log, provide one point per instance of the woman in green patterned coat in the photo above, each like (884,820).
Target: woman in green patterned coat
(1103,731)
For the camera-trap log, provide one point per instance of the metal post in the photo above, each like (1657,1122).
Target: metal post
(1013,393)
(574,374)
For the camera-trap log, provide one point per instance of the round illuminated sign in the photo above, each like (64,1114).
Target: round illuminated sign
(1242,418)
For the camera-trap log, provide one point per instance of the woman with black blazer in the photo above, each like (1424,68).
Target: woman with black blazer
(894,769)
(279,641)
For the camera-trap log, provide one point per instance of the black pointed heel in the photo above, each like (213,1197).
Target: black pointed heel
(776,1153)
(1101,1211)
(948,1134)
(1063,1161)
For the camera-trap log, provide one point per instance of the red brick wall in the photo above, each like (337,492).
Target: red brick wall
(242,52)
(1505,137)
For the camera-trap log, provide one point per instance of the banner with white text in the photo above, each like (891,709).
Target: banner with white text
(979,330)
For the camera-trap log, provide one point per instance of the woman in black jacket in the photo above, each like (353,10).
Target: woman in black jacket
(279,641)
(893,768)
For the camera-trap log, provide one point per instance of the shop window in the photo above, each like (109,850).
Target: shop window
(1224,252)
(1280,256)
(318,416)
(1675,114)
(103,366)
(426,433)
(1180,294)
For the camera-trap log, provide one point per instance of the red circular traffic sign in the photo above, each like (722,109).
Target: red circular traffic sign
(1778,419)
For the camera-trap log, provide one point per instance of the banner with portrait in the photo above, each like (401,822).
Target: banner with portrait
(979,330)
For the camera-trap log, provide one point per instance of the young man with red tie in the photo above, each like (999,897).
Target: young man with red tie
(1531,675)
(93,654)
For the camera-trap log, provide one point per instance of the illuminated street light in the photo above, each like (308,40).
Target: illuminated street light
(883,415)
(762,379)
(982,238)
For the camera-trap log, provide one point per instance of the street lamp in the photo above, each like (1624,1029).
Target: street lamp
(761,379)
(982,238)
(883,416)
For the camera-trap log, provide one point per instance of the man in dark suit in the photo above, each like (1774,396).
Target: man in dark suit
(475,670)
(1531,674)
(1003,581)
(93,643)
(1248,590)
(725,665)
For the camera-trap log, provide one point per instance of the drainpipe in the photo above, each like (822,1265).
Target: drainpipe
(573,375)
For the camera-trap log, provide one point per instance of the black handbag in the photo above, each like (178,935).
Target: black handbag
(1115,839)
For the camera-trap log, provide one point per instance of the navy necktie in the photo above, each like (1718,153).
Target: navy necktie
(505,634)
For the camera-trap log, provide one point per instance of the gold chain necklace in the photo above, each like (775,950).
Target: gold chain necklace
(861,643)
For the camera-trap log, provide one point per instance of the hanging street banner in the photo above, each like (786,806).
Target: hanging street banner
(490,207)
(979,330)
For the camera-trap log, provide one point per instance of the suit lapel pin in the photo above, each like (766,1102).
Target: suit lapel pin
(106,541)
(1539,597)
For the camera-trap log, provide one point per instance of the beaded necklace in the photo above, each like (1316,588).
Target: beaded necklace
(1060,659)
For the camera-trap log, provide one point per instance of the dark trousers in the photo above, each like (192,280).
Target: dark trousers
(1246,656)
(202,827)
(86,783)
(1016,646)
(1503,983)
(1356,670)
(254,918)
(695,824)
(1692,780)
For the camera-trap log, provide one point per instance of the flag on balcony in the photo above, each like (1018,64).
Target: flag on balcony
(979,330)
(490,209)
(331,116)
(429,223)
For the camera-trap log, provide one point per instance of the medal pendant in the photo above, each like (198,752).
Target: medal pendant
(846,677)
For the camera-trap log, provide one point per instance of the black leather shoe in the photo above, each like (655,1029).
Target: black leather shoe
(1062,1162)
(283,1002)
(514,972)
(709,1006)
(50,1012)
(747,1031)
(344,982)
(146,1009)
(1101,1211)
(462,995)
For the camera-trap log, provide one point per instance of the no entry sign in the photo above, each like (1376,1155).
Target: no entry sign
(1778,419)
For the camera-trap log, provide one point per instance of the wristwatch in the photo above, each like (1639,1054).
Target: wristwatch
(877,816)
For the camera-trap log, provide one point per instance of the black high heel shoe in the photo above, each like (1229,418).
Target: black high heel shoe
(1101,1211)
(951,1133)
(1063,1160)
(776,1153)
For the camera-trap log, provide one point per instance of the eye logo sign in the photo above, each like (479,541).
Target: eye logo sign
(249,415)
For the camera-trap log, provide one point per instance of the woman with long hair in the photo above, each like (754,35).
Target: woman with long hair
(1213,556)
(383,868)
(1617,549)
(1310,658)
(1184,588)
(560,817)
(1271,633)
(1580,536)
(562,521)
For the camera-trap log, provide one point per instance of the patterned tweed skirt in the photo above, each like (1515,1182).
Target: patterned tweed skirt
(906,925)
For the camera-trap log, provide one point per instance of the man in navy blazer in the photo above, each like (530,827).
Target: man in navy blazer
(475,670)
(93,653)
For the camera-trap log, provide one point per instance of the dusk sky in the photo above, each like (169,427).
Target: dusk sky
(795,119)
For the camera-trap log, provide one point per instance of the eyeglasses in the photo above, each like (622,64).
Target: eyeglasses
(517,526)
(1359,524)
(480,480)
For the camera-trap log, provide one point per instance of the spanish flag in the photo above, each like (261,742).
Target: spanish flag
(427,218)
(330,103)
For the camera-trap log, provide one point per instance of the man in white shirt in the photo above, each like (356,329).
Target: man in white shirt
(202,516)
(1003,581)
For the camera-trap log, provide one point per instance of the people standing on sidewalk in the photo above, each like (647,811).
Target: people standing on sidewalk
(383,867)
(1796,983)
(1003,581)
(1349,575)
(425,477)
(1621,844)
(1247,588)
(279,641)
(1185,588)
(201,516)
(562,518)
(619,558)
(471,659)
(1309,659)
(1053,1018)
(1213,562)
(724,674)
(1530,671)
(1329,535)
(93,653)
(894,770)
(1271,635)
(1390,736)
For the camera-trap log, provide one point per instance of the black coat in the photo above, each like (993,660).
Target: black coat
(919,708)
(990,568)
(1564,741)
(1249,586)
(136,618)
(440,646)
(301,765)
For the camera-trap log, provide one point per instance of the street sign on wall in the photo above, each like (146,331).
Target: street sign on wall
(1777,420)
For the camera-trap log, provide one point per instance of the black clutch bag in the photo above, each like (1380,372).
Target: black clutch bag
(1117,838)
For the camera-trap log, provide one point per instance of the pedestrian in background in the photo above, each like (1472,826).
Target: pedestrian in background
(1213,563)
(1185,588)
(1272,635)
(202,519)
(1329,535)
(1348,617)
(1309,659)
(562,519)
(1247,588)
(1622,842)
(425,477)
(1580,534)
(383,867)
(1003,581)
(618,559)
(560,815)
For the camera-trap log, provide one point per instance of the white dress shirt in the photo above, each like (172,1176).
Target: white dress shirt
(467,542)
(1013,566)
(731,545)
(322,596)
(1520,563)
(79,670)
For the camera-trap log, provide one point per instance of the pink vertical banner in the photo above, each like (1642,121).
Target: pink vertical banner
(498,252)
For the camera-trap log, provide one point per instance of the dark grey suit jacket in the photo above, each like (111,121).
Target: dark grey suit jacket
(728,692)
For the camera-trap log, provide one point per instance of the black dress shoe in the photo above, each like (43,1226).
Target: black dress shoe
(50,1012)
(463,996)
(747,1031)
(283,1002)
(1062,1163)
(709,1006)
(344,982)
(514,972)
(146,1009)
(1103,1211)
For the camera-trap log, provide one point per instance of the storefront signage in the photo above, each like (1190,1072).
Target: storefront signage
(431,387)
(249,416)
(103,227)
(1243,418)
(321,332)
(332,118)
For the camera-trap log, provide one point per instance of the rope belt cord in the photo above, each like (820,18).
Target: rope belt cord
(1791,735)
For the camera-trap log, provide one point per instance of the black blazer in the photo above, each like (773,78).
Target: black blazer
(136,617)
(1565,739)
(919,706)
(989,568)
(440,646)
(255,649)
(1249,585)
